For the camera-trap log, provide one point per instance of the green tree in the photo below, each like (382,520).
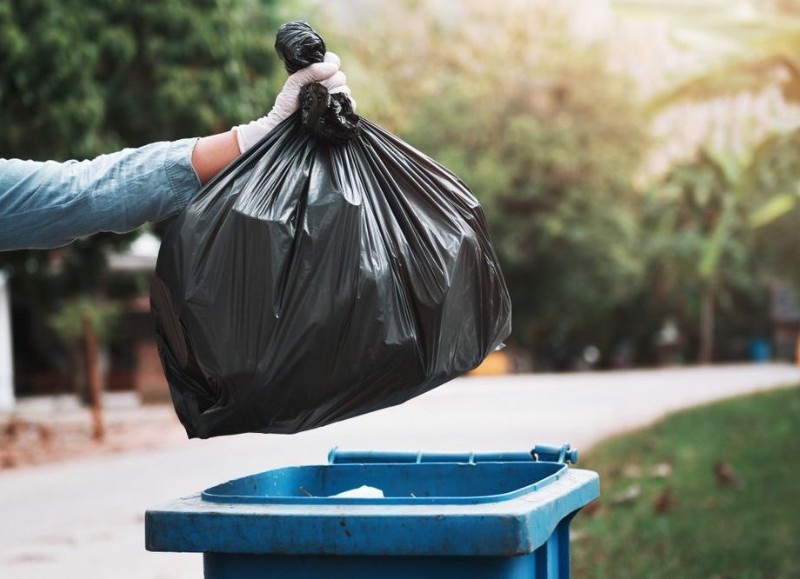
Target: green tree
(543,132)
(80,79)
(84,78)
(777,220)
(69,320)
(757,45)
(701,263)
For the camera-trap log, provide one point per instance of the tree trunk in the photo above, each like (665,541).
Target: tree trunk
(706,353)
(94,380)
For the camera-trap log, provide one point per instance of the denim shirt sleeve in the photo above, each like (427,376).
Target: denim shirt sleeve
(49,204)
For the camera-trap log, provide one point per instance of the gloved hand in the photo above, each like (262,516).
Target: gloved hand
(326,73)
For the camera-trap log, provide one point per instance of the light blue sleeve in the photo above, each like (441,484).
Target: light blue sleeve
(49,204)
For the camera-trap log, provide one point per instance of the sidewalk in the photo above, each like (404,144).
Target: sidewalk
(84,518)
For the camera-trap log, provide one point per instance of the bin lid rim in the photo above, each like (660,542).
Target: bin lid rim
(218,494)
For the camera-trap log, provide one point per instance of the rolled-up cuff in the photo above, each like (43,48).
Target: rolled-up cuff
(181,175)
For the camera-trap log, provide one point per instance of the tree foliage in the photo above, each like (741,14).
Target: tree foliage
(68,320)
(84,78)
(760,41)
(775,199)
(702,269)
(763,188)
(80,79)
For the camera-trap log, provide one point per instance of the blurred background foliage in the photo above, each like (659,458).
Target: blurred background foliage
(554,137)
(82,79)
(552,134)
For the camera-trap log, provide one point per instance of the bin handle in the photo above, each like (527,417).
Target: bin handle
(540,452)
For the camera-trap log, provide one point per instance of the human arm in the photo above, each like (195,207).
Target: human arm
(48,204)
(212,154)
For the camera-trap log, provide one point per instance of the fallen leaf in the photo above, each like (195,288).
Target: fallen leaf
(663,502)
(726,476)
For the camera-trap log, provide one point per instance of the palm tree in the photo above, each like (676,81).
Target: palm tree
(759,46)
(699,231)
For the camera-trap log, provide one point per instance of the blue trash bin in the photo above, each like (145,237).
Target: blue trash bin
(475,515)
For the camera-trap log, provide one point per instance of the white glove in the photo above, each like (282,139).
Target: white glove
(326,73)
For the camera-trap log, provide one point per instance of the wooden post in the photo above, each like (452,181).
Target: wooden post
(94,380)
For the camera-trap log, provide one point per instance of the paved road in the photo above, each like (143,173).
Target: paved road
(85,519)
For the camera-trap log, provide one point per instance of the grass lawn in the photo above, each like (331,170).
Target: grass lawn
(712,492)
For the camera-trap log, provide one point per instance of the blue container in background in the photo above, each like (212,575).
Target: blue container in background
(475,515)
(759,350)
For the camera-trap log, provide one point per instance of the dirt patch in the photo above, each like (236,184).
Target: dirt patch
(28,439)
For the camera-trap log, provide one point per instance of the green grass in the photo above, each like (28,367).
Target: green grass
(705,530)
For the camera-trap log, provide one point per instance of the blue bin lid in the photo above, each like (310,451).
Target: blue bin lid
(479,507)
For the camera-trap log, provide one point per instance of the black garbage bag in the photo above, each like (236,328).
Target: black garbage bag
(330,271)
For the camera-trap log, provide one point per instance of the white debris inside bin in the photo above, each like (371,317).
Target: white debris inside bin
(362,492)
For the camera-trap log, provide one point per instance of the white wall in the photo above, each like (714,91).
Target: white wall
(6,368)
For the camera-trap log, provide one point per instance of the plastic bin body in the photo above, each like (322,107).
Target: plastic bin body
(436,519)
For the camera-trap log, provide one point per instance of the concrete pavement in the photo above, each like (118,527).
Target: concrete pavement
(85,518)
